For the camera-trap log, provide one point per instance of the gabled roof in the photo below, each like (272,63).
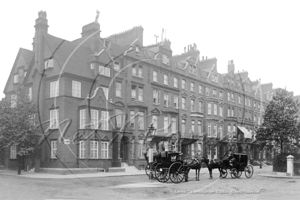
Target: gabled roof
(68,56)
(24,58)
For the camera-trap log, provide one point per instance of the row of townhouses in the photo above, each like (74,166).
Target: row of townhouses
(108,91)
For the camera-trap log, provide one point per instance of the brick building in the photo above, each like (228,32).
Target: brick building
(107,92)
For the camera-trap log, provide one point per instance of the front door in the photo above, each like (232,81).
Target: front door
(124,148)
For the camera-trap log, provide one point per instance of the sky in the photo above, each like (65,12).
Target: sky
(261,37)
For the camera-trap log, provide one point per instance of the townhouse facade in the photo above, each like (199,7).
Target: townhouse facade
(98,96)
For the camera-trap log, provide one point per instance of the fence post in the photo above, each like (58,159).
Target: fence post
(290,165)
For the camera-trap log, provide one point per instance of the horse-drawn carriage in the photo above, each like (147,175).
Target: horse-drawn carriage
(237,164)
(168,166)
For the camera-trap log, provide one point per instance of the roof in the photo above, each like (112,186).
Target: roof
(242,75)
(70,57)
(24,58)
(27,54)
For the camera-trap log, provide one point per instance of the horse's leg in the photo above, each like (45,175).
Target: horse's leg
(210,172)
(220,172)
(187,174)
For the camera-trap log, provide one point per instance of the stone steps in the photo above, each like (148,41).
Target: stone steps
(124,168)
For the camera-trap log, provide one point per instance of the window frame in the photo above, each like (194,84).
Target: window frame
(76,89)
(53,150)
(176,101)
(154,76)
(82,149)
(183,84)
(94,119)
(82,118)
(118,89)
(54,118)
(209,108)
(141,120)
(104,149)
(94,149)
(176,82)
(54,89)
(166,79)
(183,103)
(104,120)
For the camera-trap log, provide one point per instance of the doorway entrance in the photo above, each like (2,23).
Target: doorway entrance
(124,148)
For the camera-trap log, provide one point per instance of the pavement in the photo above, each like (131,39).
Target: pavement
(264,171)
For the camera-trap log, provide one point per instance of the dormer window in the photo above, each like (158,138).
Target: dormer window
(92,65)
(21,72)
(192,69)
(214,78)
(166,60)
(49,63)
(116,65)
(16,78)
(137,50)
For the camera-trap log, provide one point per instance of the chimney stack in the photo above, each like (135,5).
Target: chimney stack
(230,66)
(90,29)
(41,28)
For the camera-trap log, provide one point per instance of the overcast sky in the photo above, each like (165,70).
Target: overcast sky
(262,37)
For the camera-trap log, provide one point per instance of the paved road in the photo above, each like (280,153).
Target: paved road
(139,187)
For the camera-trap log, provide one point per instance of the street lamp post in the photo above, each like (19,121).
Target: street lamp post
(150,149)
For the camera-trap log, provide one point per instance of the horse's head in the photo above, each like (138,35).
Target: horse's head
(205,160)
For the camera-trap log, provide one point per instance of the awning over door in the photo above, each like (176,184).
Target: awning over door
(247,134)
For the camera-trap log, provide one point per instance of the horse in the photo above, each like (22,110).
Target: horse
(194,164)
(212,164)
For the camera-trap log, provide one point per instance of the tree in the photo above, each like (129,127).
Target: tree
(17,124)
(280,124)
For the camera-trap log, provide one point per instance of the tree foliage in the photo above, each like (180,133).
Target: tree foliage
(280,126)
(17,123)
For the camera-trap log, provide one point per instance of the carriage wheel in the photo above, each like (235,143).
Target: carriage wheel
(249,171)
(223,173)
(153,169)
(233,172)
(148,169)
(238,174)
(176,172)
(161,173)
